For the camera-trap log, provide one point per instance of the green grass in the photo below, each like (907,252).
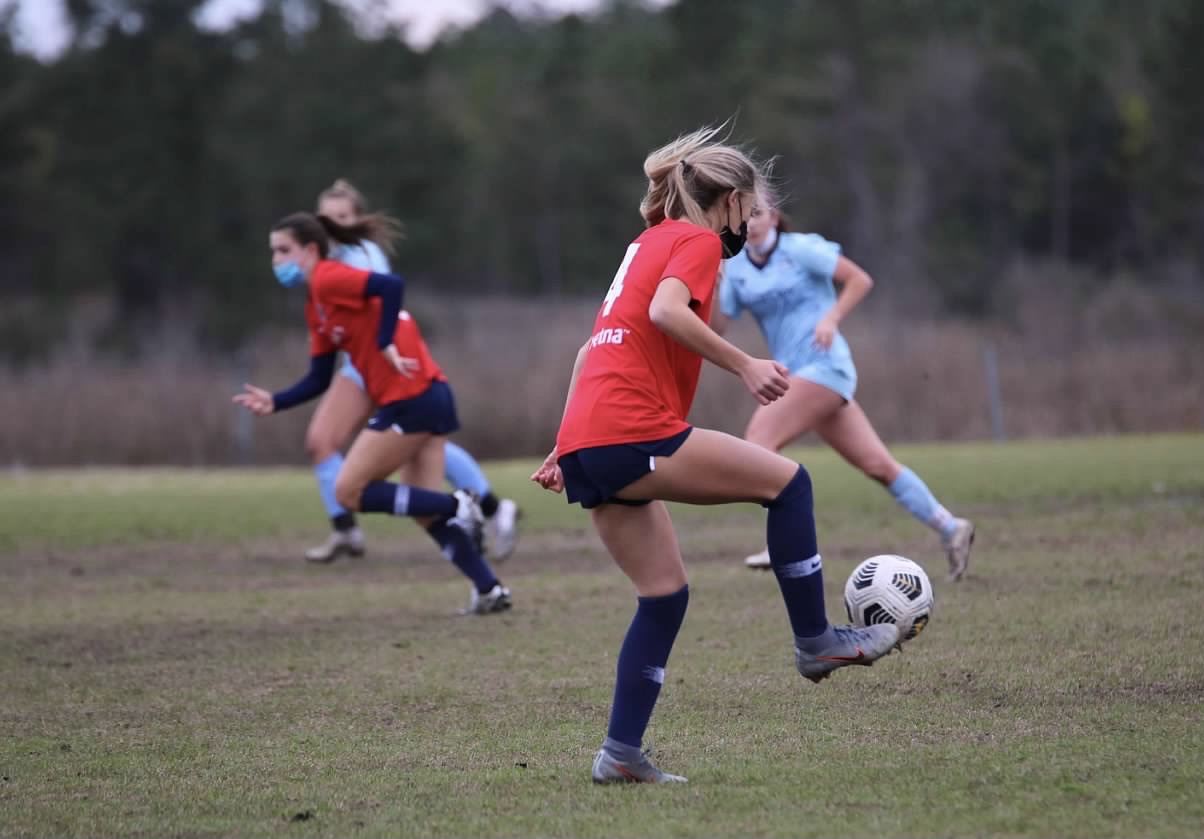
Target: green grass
(171,668)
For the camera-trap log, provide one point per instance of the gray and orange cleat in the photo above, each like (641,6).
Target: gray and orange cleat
(842,646)
(608,770)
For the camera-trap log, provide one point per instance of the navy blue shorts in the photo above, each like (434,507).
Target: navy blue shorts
(433,411)
(592,476)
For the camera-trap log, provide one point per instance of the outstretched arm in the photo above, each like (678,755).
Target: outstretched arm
(314,383)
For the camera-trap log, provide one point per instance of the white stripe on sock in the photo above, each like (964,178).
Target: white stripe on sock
(802,568)
(656,674)
(401,501)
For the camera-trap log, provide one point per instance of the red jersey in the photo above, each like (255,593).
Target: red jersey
(637,383)
(341,318)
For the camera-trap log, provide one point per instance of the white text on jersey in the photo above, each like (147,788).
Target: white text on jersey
(607,336)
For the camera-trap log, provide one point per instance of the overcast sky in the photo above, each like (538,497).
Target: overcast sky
(42,28)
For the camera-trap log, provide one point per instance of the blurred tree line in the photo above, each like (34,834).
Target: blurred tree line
(939,140)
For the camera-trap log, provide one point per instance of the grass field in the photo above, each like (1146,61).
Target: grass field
(171,668)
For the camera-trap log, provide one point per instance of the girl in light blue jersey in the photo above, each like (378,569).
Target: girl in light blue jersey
(787,282)
(346,406)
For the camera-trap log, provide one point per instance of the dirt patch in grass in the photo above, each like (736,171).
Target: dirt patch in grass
(270,565)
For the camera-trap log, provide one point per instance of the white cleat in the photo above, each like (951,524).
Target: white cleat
(957,548)
(497,599)
(339,543)
(505,530)
(758,562)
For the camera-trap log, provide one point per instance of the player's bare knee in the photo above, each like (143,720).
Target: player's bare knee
(776,474)
(882,469)
(319,445)
(661,582)
(793,483)
(670,584)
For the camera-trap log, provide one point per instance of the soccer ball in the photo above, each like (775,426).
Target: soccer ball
(889,589)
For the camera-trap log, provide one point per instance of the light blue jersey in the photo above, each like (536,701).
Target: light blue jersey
(788,296)
(367,256)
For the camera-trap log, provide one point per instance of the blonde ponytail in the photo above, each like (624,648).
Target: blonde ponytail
(687,176)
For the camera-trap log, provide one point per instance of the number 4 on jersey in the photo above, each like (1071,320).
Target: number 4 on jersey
(616,287)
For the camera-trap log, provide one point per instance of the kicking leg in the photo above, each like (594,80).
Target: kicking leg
(462,548)
(716,468)
(776,425)
(452,520)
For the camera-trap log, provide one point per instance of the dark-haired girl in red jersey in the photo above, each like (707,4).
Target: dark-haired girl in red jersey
(624,447)
(360,313)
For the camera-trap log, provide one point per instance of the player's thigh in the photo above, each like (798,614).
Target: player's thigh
(644,546)
(850,432)
(343,410)
(374,456)
(803,407)
(711,467)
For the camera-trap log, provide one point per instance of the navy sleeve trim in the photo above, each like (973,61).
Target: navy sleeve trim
(389,288)
(314,383)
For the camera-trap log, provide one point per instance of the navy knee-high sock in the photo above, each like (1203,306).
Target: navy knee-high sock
(459,549)
(794,555)
(403,500)
(641,670)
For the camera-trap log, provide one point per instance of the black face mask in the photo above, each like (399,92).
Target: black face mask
(732,241)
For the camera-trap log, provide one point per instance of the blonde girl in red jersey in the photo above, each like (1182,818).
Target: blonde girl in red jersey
(625,448)
(360,313)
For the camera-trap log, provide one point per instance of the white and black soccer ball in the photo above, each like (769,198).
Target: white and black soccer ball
(889,589)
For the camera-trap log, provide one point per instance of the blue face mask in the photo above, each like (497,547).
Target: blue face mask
(288,274)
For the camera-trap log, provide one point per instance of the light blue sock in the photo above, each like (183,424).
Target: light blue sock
(462,471)
(326,472)
(914,496)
